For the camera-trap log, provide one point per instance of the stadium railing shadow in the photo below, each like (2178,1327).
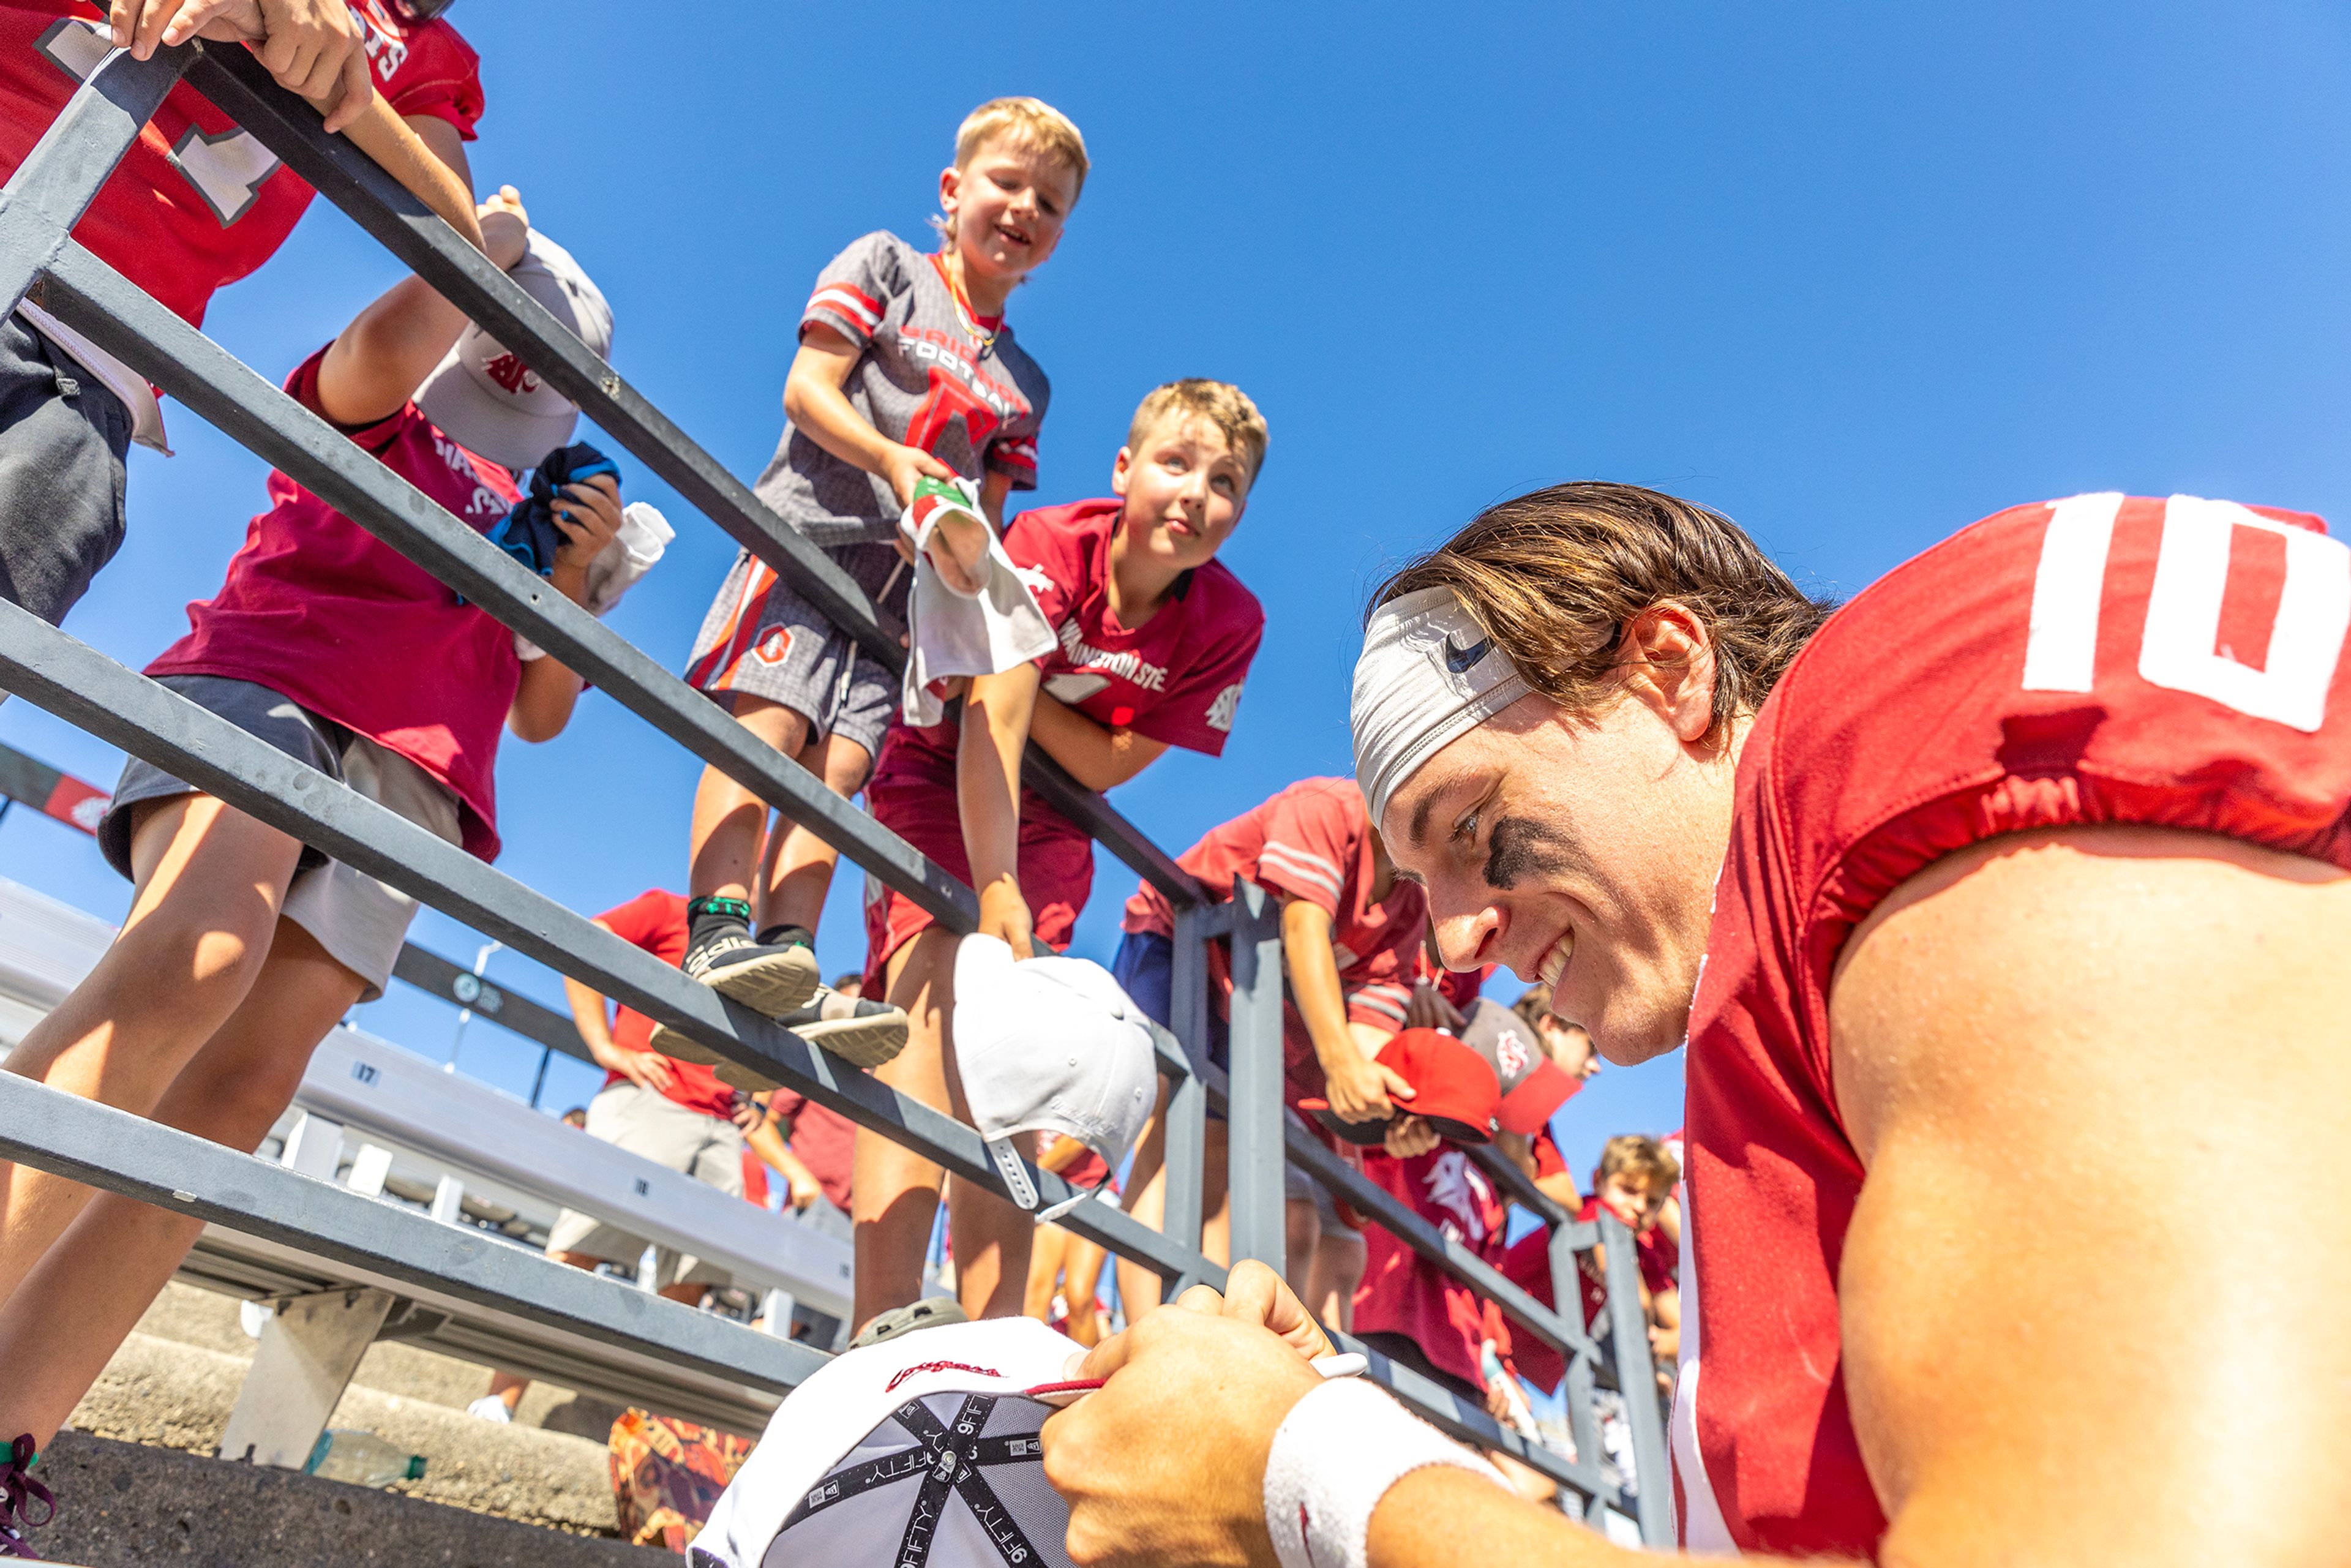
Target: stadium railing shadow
(337,1227)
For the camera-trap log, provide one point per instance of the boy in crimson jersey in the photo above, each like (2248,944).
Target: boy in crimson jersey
(2032,875)
(1351,932)
(1156,635)
(906,370)
(244,947)
(197,202)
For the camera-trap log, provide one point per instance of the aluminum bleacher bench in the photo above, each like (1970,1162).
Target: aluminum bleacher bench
(385,1122)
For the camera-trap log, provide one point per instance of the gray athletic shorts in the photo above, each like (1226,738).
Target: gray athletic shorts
(651,1126)
(62,441)
(361,922)
(762,638)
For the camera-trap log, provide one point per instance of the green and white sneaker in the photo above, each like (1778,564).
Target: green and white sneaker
(771,978)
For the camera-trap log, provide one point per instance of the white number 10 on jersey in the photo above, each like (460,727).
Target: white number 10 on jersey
(2178,648)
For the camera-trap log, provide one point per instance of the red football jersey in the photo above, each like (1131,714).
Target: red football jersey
(2094,660)
(319,609)
(198,202)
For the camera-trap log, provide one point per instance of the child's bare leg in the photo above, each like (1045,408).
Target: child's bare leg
(728,819)
(86,1294)
(1082,1267)
(893,1191)
(1337,1270)
(796,871)
(1303,1227)
(1044,1254)
(210,882)
(1139,1288)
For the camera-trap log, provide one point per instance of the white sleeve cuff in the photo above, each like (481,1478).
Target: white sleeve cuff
(1334,1457)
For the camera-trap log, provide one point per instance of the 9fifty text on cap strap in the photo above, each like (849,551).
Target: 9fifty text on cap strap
(950,1461)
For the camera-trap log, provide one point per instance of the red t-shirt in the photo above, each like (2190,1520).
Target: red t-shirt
(655,921)
(198,201)
(1401,1292)
(1178,678)
(321,610)
(825,1141)
(2094,660)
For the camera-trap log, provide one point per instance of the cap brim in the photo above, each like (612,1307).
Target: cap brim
(1527,1107)
(1363,1133)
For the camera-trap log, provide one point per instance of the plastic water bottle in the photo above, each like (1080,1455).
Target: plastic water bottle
(364,1459)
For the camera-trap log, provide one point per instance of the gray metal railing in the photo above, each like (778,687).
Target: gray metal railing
(105,1147)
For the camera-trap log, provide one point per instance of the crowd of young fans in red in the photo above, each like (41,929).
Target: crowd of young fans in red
(907,381)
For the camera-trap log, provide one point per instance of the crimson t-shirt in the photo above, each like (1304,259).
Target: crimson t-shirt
(1177,678)
(319,609)
(1401,1292)
(198,201)
(655,921)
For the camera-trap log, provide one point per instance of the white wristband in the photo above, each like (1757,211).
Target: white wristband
(1334,1457)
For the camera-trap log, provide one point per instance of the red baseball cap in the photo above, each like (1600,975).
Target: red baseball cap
(1533,1085)
(1453,1087)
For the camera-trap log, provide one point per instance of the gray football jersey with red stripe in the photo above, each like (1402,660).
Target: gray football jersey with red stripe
(926,375)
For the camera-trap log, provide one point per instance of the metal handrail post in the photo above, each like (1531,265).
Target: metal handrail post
(1636,1379)
(1254,1081)
(1583,1422)
(1183,1140)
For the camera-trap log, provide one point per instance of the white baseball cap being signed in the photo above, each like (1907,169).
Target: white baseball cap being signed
(1049,1044)
(487,400)
(918,1452)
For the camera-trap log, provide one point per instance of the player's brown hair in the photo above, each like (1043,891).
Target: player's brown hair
(1025,122)
(1639,1158)
(1221,403)
(1554,576)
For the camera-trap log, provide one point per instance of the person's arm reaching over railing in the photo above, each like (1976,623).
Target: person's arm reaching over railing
(1359,1089)
(996,715)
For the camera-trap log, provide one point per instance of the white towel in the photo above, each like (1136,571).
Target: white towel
(951,634)
(644,535)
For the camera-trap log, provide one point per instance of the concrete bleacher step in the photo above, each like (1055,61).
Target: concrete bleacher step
(128,1505)
(174,1383)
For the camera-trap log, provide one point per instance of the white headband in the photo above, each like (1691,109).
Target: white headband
(1427,677)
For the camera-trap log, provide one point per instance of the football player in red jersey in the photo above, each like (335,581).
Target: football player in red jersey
(2028,878)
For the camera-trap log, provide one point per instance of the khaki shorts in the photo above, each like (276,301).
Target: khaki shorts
(361,922)
(707,1148)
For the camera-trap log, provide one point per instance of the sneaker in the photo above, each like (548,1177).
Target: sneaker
(861,1032)
(767,978)
(490,1407)
(18,1494)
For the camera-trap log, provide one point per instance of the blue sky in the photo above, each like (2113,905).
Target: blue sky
(1855,274)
